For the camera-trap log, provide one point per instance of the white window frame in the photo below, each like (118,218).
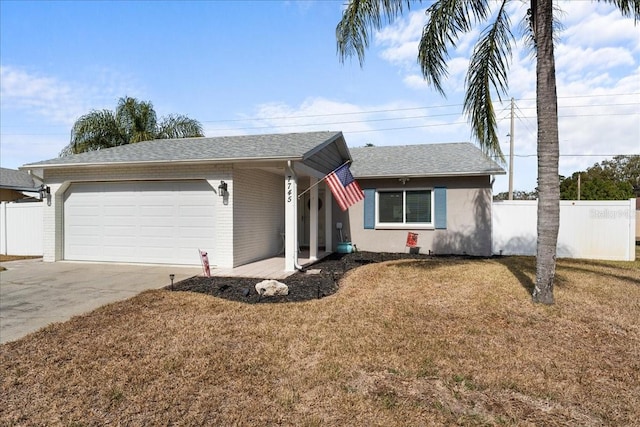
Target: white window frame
(404,224)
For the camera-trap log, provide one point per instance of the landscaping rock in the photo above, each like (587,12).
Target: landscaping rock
(270,288)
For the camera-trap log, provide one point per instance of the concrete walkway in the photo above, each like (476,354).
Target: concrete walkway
(34,294)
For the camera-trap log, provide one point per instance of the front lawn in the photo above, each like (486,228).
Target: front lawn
(409,342)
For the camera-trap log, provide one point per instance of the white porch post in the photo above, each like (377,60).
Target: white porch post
(313,217)
(290,219)
(328,219)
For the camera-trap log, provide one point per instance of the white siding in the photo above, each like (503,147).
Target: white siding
(21,228)
(60,179)
(258,215)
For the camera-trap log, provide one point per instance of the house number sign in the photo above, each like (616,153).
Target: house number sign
(289,189)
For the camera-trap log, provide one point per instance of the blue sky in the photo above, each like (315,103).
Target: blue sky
(271,66)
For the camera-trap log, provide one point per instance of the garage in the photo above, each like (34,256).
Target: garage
(163,222)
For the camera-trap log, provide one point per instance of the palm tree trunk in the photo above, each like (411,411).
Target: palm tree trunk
(548,153)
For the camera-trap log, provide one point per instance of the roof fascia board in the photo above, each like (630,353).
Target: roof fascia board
(433,175)
(156,162)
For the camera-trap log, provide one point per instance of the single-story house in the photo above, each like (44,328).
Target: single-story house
(236,198)
(14,184)
(441,192)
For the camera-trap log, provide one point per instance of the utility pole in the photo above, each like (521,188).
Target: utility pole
(579,175)
(511,151)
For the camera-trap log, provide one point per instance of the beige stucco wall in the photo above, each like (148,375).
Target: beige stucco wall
(60,179)
(258,216)
(468,219)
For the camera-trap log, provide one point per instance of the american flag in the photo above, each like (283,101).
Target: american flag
(344,187)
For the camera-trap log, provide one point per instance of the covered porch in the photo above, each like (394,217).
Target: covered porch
(269,268)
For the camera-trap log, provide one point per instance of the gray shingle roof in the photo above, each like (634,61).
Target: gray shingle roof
(16,180)
(422,160)
(245,147)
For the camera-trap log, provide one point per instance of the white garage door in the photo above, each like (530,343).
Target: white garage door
(139,222)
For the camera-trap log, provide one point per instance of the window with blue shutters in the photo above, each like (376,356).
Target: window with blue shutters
(401,208)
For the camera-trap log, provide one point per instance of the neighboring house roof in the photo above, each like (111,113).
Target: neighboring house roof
(423,160)
(12,179)
(291,146)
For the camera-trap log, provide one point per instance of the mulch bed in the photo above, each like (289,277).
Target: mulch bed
(303,286)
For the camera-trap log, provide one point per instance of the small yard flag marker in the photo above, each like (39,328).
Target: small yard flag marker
(412,240)
(344,187)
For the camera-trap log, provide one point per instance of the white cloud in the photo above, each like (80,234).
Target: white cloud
(38,110)
(43,95)
(391,123)
(597,54)
(580,60)
(415,81)
(58,101)
(397,39)
(592,24)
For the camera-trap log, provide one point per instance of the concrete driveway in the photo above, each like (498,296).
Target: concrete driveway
(34,294)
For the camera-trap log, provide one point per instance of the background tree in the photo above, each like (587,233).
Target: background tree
(517,195)
(616,179)
(446,21)
(132,121)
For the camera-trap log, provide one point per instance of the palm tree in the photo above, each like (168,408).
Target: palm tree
(133,121)
(487,74)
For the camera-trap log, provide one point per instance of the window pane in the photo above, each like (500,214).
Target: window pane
(390,206)
(419,206)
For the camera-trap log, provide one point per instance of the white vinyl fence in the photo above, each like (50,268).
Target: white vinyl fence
(21,228)
(588,229)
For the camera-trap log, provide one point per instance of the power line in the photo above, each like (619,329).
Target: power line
(387,118)
(590,106)
(332,114)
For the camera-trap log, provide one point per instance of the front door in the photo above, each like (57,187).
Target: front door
(304,216)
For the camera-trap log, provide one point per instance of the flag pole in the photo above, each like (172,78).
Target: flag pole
(325,177)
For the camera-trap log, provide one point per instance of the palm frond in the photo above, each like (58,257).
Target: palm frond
(178,126)
(94,131)
(447,19)
(627,8)
(137,119)
(353,32)
(487,73)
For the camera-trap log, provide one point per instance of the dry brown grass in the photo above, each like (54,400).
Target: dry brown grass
(439,342)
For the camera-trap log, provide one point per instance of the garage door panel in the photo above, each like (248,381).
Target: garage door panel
(118,237)
(157,232)
(120,209)
(148,222)
(190,233)
(87,232)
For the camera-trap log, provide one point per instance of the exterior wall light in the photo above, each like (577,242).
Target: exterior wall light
(45,192)
(222,189)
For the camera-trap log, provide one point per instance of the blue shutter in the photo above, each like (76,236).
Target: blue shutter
(369,208)
(440,207)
